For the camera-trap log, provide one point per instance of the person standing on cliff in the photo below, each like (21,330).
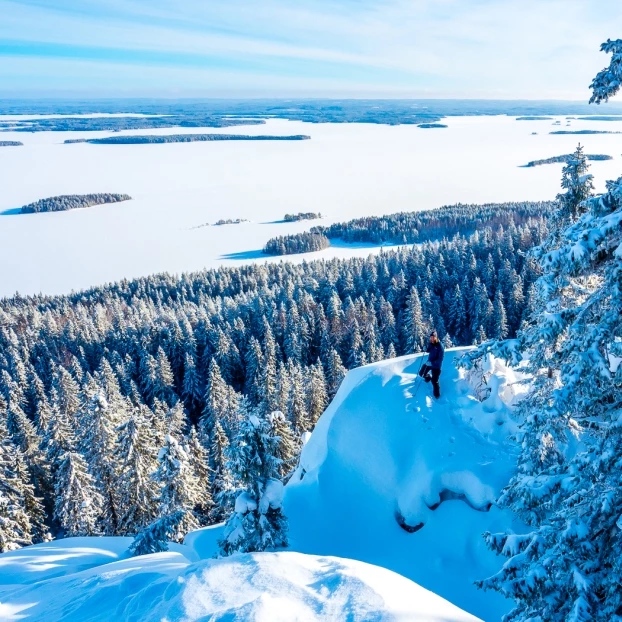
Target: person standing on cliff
(432,369)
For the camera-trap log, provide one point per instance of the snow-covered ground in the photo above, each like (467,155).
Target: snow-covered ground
(344,171)
(385,452)
(174,586)
(390,477)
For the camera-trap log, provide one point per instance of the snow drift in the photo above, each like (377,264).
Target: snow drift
(88,579)
(395,478)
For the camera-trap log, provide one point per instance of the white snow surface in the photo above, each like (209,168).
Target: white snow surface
(259,587)
(385,448)
(345,171)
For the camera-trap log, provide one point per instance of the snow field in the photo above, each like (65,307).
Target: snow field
(345,171)
(260,587)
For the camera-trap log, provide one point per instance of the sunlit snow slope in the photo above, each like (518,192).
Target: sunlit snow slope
(86,579)
(386,454)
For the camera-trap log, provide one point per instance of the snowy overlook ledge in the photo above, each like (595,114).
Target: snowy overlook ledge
(386,511)
(395,478)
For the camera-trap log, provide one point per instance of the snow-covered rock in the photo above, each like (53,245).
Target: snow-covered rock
(395,478)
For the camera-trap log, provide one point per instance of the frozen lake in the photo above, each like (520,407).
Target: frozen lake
(344,171)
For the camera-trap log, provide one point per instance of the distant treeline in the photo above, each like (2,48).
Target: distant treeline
(230,112)
(566,158)
(179,138)
(601,118)
(116,124)
(426,126)
(412,227)
(534,118)
(72,201)
(302,216)
(584,132)
(297,243)
(11,143)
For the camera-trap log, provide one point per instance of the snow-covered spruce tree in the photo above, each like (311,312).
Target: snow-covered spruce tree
(221,479)
(178,485)
(316,393)
(608,81)
(287,449)
(297,407)
(177,482)
(135,454)
(258,522)
(220,401)
(191,388)
(32,503)
(414,330)
(15,524)
(78,503)
(335,372)
(155,537)
(269,397)
(200,463)
(97,444)
(568,485)
(577,186)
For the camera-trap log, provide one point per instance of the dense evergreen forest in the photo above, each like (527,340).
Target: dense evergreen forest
(413,227)
(296,243)
(179,138)
(65,202)
(98,388)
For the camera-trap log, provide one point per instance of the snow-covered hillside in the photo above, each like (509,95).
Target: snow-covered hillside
(82,579)
(385,452)
(390,477)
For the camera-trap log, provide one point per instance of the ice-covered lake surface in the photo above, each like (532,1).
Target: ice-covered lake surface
(344,171)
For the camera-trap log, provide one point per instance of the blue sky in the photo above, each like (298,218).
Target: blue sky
(521,49)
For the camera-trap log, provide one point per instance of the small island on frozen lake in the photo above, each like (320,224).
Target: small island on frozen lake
(178,138)
(302,216)
(66,202)
(11,143)
(566,158)
(306,242)
(230,221)
(427,126)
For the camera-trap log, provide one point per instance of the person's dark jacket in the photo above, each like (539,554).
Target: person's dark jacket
(435,355)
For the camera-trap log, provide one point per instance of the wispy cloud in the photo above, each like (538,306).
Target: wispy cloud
(468,48)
